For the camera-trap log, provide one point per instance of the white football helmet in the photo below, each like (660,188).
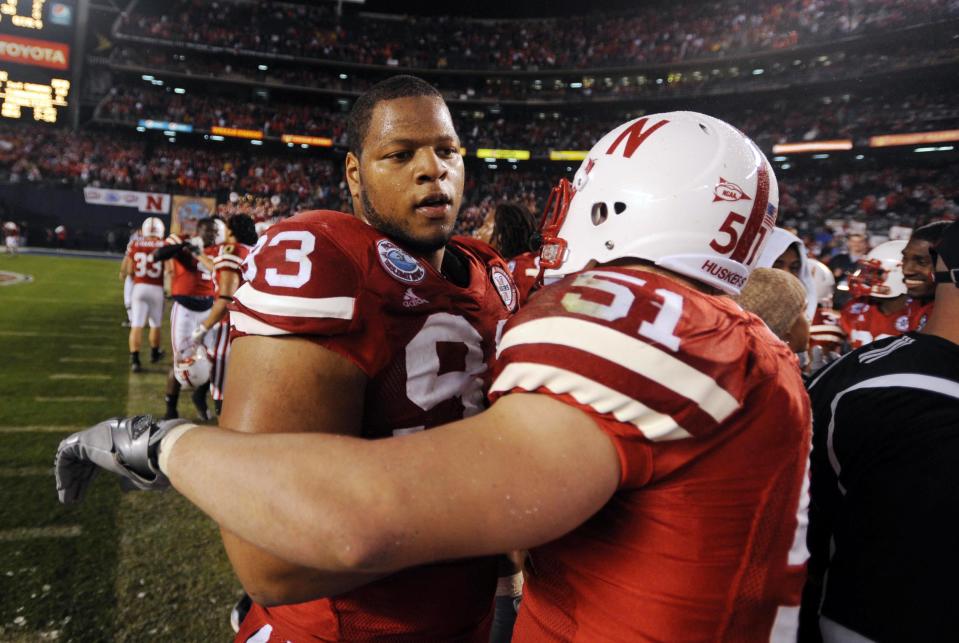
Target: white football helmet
(193,368)
(220,238)
(153,227)
(880,274)
(683,190)
(825,282)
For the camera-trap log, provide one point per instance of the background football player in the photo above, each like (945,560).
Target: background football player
(146,295)
(11,237)
(192,291)
(917,264)
(648,438)
(881,306)
(226,265)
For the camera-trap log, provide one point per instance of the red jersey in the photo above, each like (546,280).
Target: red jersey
(190,277)
(145,269)
(229,258)
(525,270)
(704,539)
(864,322)
(11,229)
(825,331)
(424,343)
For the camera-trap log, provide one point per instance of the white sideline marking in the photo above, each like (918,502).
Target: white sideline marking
(32,333)
(79,376)
(40,429)
(84,360)
(72,398)
(32,533)
(25,472)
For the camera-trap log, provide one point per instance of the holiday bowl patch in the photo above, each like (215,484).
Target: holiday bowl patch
(401,265)
(505,287)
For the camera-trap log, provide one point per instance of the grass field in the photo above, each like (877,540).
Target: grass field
(120,566)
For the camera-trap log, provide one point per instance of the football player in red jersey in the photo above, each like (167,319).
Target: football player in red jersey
(192,291)
(514,236)
(227,266)
(881,306)
(648,440)
(147,294)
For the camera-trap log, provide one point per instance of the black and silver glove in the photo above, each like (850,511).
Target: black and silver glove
(128,447)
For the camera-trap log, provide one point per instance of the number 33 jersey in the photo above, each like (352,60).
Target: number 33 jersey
(424,343)
(704,538)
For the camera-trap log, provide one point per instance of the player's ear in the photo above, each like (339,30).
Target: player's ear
(353,174)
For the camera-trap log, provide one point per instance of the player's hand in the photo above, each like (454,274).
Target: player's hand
(128,447)
(199,333)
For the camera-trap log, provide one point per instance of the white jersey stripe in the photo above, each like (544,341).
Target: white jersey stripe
(619,348)
(250,326)
(287,306)
(528,376)
(927,383)
(869,357)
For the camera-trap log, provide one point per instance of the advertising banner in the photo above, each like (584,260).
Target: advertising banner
(144,201)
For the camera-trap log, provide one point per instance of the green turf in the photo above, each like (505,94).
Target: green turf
(145,567)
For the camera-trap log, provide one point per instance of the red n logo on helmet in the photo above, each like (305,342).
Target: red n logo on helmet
(636,136)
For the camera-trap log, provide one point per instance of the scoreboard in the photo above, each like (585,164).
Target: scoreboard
(36,58)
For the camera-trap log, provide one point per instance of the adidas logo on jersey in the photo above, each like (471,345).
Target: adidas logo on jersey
(411,299)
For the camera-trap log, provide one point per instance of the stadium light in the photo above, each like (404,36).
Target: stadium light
(262,67)
(820,156)
(915,138)
(256,141)
(141,129)
(859,157)
(941,148)
(779,158)
(487,153)
(147,77)
(813,146)
(757,72)
(179,90)
(214,137)
(343,76)
(568,155)
(576,85)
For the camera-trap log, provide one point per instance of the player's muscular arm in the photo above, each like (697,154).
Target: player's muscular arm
(229,282)
(126,268)
(289,385)
(525,472)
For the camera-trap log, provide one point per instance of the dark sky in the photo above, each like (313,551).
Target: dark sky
(500,8)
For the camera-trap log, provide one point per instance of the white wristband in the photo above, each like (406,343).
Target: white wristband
(166,444)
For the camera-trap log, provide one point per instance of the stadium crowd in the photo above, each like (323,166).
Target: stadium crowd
(852,115)
(681,82)
(650,34)
(879,197)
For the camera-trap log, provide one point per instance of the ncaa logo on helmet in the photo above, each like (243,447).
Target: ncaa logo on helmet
(729,191)
(399,264)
